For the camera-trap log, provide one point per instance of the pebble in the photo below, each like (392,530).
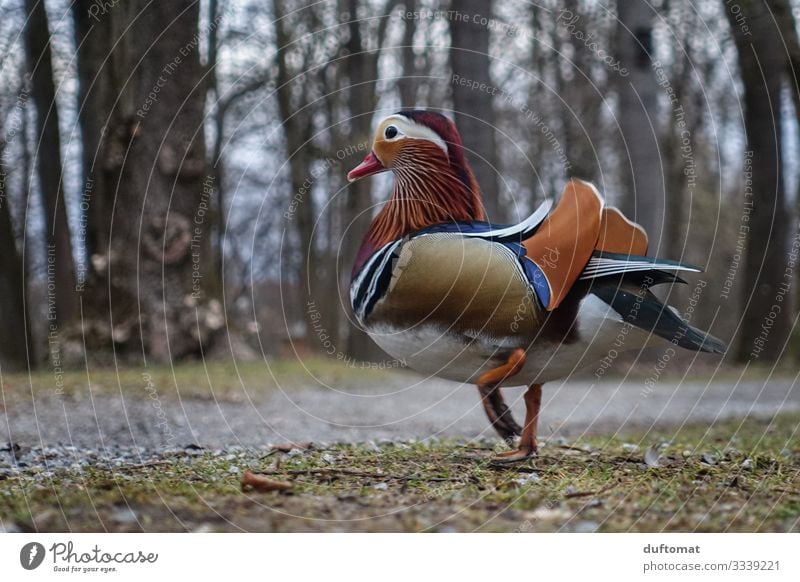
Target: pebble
(527,479)
(125,515)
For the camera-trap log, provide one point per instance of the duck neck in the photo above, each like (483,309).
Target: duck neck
(425,193)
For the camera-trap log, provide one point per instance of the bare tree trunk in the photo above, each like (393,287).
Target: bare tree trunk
(765,323)
(474,109)
(582,103)
(155,289)
(678,138)
(541,69)
(217,169)
(642,172)
(783,13)
(59,259)
(13,350)
(782,9)
(297,132)
(97,77)
(674,218)
(407,85)
(25,258)
(362,71)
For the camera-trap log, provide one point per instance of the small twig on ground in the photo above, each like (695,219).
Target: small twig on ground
(590,493)
(356,473)
(287,447)
(137,466)
(571,448)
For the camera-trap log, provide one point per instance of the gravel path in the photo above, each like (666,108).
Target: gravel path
(401,408)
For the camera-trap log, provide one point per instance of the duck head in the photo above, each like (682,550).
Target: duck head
(433,182)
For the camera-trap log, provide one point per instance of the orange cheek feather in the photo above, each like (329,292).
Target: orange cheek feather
(387,151)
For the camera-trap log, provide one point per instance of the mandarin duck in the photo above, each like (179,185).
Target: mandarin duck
(454,296)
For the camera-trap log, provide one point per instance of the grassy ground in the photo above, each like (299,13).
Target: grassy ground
(226,380)
(223,380)
(730,477)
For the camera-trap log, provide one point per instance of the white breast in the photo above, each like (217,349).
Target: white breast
(430,350)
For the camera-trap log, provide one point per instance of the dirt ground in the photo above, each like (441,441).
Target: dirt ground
(217,406)
(166,450)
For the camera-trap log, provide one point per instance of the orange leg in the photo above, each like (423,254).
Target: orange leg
(527,442)
(493,403)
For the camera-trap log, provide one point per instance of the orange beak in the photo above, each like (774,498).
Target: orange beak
(371,165)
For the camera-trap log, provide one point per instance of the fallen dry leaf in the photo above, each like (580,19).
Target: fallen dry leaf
(263,484)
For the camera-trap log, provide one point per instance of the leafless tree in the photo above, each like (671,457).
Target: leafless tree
(14,345)
(60,262)
(642,166)
(474,108)
(154,287)
(763,66)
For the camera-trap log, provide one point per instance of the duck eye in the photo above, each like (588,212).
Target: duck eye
(390,132)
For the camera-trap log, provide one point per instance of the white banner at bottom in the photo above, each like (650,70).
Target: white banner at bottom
(389,557)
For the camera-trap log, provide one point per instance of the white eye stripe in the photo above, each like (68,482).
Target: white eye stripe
(412,130)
